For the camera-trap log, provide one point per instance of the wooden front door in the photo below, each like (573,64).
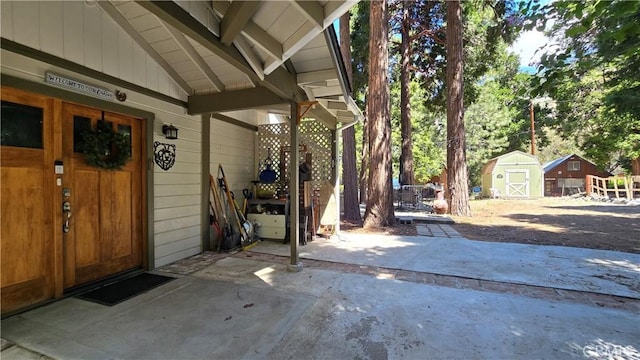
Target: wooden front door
(105,236)
(27,216)
(105,227)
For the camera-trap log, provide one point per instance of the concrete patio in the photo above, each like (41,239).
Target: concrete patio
(359,296)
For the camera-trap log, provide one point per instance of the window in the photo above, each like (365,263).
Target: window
(573,165)
(21,125)
(80,125)
(571,183)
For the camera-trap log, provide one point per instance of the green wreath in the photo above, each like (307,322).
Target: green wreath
(105,148)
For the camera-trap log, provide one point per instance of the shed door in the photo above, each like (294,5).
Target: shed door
(517,183)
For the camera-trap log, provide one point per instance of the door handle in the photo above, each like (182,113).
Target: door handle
(66,208)
(65,226)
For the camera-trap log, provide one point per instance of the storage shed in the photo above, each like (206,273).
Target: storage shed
(566,175)
(513,175)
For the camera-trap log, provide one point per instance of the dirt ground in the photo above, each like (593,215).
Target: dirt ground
(547,221)
(554,221)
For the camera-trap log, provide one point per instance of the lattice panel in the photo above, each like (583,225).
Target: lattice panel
(274,137)
(318,139)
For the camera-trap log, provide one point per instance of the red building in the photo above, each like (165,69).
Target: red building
(566,175)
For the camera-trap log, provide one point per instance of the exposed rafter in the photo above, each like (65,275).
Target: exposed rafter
(239,13)
(281,82)
(251,57)
(317,76)
(263,40)
(331,11)
(195,57)
(296,42)
(336,105)
(253,32)
(320,113)
(129,29)
(312,10)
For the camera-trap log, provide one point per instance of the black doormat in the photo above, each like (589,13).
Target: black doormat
(120,291)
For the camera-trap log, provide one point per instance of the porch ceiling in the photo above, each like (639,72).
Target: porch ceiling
(234,55)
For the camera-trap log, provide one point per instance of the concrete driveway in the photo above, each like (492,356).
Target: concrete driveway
(359,297)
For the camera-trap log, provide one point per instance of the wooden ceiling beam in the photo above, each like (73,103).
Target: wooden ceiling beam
(316,76)
(233,100)
(312,10)
(279,80)
(253,32)
(235,19)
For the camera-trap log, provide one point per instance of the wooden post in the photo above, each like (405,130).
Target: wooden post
(626,188)
(294,190)
(533,129)
(588,189)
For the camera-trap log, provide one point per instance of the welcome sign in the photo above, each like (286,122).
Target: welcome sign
(77,86)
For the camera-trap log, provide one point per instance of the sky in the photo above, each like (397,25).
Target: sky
(528,43)
(525,46)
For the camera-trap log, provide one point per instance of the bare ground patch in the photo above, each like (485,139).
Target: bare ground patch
(554,221)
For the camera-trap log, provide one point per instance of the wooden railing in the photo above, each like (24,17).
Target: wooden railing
(629,189)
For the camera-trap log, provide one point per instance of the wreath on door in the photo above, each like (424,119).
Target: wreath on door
(105,148)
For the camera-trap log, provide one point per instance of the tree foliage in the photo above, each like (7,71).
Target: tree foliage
(593,69)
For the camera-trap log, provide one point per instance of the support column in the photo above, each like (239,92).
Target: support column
(205,227)
(337,165)
(294,190)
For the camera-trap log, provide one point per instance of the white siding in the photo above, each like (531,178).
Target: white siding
(51,28)
(6,19)
(177,192)
(234,148)
(83,33)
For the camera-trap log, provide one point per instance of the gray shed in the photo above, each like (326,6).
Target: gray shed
(513,175)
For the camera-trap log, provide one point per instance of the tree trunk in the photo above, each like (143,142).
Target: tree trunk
(406,155)
(380,200)
(635,166)
(364,162)
(458,189)
(349,171)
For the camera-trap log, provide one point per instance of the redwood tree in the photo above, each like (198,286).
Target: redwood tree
(349,171)
(458,189)
(379,210)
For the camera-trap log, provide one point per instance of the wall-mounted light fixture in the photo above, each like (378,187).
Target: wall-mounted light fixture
(170,132)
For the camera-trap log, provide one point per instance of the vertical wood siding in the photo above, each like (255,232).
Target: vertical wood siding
(81,32)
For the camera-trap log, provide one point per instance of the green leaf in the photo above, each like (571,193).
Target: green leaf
(575,30)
